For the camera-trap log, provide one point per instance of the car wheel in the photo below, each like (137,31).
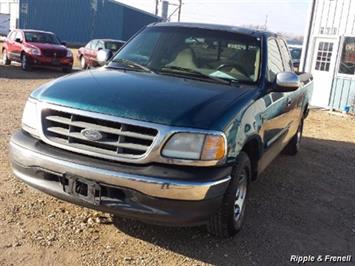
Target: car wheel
(83,63)
(5,59)
(229,218)
(67,69)
(293,146)
(25,64)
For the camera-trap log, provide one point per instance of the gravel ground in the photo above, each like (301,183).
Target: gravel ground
(301,205)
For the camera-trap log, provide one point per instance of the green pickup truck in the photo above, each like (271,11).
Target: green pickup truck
(172,129)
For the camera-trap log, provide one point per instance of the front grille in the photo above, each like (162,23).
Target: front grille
(54,53)
(117,139)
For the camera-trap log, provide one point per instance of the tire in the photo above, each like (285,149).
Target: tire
(25,64)
(5,59)
(229,219)
(67,69)
(293,146)
(83,63)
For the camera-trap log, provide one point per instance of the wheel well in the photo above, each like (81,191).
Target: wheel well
(305,111)
(252,148)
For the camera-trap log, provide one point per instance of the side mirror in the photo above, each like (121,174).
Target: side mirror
(103,56)
(64,43)
(287,82)
(18,40)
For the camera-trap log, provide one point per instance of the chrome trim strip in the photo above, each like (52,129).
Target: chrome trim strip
(153,154)
(152,186)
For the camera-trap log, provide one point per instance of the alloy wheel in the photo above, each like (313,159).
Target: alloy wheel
(240,195)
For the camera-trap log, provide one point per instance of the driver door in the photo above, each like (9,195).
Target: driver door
(276,119)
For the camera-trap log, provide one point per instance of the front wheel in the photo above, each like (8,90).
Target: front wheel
(5,58)
(83,63)
(25,64)
(293,146)
(229,218)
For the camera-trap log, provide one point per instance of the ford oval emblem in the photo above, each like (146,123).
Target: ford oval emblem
(91,134)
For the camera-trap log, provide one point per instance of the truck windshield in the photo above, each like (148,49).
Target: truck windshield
(41,37)
(186,51)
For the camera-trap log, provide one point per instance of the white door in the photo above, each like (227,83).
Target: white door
(322,69)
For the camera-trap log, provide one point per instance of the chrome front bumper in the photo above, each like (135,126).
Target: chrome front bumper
(165,188)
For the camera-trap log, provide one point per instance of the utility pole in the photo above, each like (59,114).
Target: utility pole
(157,2)
(266,20)
(180,6)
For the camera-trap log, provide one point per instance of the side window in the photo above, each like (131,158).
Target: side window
(285,55)
(12,35)
(19,36)
(100,45)
(88,45)
(274,62)
(93,45)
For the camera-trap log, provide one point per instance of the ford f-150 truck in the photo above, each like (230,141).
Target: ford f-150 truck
(171,130)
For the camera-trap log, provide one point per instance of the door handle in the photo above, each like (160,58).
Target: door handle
(289,101)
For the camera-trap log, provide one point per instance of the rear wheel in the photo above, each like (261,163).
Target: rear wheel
(25,64)
(5,58)
(293,146)
(229,219)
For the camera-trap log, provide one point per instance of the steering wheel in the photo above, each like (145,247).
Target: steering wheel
(239,68)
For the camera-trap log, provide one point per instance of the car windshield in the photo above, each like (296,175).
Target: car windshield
(41,37)
(113,46)
(189,51)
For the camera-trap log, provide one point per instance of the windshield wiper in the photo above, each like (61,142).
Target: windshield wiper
(191,72)
(132,64)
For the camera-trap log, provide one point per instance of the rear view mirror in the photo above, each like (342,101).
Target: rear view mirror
(18,40)
(103,56)
(64,43)
(287,82)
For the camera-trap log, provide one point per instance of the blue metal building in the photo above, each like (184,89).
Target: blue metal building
(78,21)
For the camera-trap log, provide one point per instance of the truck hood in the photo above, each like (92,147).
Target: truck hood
(144,96)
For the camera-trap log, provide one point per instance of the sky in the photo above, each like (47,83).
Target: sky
(287,16)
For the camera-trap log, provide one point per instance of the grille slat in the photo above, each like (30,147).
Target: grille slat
(80,124)
(77,135)
(118,139)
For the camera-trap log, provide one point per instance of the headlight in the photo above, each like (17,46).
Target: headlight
(33,51)
(30,118)
(69,53)
(193,146)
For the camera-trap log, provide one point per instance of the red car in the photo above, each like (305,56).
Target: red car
(87,55)
(32,47)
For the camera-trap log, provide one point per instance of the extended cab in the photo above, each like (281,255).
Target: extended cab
(172,130)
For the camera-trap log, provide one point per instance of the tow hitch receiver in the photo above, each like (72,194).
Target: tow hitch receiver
(82,188)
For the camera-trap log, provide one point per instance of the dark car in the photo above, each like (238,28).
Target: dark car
(172,130)
(33,47)
(88,54)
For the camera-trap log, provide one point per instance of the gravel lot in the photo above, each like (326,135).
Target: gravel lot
(301,205)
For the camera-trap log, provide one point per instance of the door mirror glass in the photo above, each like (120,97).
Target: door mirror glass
(287,82)
(18,40)
(103,56)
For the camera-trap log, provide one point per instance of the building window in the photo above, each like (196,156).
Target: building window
(324,55)
(347,62)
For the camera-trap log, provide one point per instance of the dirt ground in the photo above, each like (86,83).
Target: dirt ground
(302,205)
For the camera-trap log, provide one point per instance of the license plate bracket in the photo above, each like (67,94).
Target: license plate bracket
(83,189)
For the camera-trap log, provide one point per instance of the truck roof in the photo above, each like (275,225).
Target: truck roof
(236,29)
